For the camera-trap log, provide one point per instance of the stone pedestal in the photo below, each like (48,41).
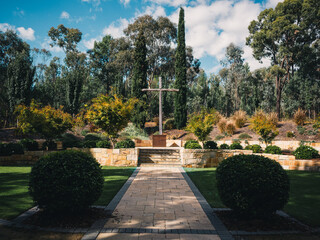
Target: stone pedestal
(159,141)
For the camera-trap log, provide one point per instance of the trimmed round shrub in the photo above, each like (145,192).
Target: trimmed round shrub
(14,148)
(69,141)
(210,145)
(251,185)
(236,145)
(66,181)
(92,137)
(103,144)
(128,143)
(273,150)
(49,145)
(255,148)
(192,144)
(224,146)
(29,144)
(89,144)
(305,152)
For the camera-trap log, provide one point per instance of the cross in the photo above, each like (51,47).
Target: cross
(160,90)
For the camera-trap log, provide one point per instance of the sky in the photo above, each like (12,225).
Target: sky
(210,25)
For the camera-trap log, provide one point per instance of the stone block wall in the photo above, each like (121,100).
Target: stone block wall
(28,158)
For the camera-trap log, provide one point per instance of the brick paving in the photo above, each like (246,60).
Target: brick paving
(159,204)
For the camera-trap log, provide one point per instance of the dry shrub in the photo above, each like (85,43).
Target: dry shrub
(239,118)
(300,117)
(217,117)
(222,125)
(273,118)
(230,128)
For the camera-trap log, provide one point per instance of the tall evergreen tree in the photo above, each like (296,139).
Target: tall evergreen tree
(180,104)
(139,81)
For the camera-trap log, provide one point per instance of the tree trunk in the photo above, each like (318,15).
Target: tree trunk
(278,89)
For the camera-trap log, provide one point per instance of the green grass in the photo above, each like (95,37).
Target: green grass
(304,193)
(15,199)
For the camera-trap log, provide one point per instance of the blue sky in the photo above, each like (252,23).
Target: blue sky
(210,25)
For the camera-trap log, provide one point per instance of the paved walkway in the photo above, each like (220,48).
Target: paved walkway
(159,204)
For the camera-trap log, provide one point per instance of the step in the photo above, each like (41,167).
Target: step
(159,161)
(158,165)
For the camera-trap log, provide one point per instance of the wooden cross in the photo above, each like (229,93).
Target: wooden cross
(160,90)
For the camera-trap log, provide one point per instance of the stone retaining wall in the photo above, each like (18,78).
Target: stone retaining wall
(28,158)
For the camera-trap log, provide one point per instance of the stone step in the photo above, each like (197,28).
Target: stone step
(159,151)
(159,156)
(158,165)
(158,161)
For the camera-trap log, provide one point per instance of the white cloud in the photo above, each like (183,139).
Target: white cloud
(27,34)
(6,26)
(174,3)
(253,63)
(115,29)
(89,44)
(272,3)
(153,10)
(125,2)
(65,15)
(95,4)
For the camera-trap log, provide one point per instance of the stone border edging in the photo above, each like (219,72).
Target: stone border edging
(221,229)
(158,230)
(96,227)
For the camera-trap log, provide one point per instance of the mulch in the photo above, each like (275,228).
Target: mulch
(81,220)
(273,223)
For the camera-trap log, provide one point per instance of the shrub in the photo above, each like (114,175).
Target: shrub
(192,144)
(151,130)
(239,118)
(255,148)
(236,145)
(66,181)
(230,128)
(103,144)
(29,144)
(128,143)
(84,132)
(89,144)
(219,137)
(132,131)
(156,120)
(210,145)
(251,185)
(169,124)
(305,152)
(300,117)
(273,150)
(49,145)
(92,137)
(301,130)
(70,141)
(312,132)
(244,136)
(273,118)
(224,146)
(10,148)
(290,134)
(222,125)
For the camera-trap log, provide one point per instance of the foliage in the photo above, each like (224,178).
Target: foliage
(301,130)
(219,137)
(222,125)
(305,152)
(29,144)
(224,146)
(180,106)
(103,144)
(236,145)
(110,113)
(66,181)
(89,144)
(290,134)
(8,149)
(244,136)
(273,150)
(255,148)
(49,145)
(230,128)
(128,143)
(252,186)
(239,118)
(92,137)
(264,126)
(133,132)
(169,124)
(300,117)
(192,144)
(47,121)
(201,124)
(69,140)
(210,145)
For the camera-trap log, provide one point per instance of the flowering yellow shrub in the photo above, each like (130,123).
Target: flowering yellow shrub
(47,121)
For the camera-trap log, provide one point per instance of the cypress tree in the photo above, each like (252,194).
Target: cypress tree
(180,103)
(139,78)
(139,81)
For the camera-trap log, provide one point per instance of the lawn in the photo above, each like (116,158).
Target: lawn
(304,192)
(14,197)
